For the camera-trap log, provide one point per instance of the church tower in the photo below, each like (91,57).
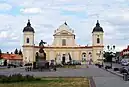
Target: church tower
(28,43)
(97,41)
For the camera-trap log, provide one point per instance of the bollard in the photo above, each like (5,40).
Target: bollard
(125,76)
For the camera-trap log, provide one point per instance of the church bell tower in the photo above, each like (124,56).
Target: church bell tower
(97,41)
(28,43)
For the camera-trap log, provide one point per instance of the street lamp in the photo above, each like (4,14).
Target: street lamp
(111,52)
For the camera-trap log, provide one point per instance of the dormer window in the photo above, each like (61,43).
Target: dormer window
(63,42)
(27,40)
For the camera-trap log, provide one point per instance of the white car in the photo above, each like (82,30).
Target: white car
(125,62)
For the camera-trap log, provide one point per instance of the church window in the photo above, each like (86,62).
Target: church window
(84,54)
(98,40)
(64,42)
(89,52)
(64,33)
(27,40)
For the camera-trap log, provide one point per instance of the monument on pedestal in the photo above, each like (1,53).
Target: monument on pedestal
(42,54)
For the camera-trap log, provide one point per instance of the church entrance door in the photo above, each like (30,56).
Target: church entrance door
(63,59)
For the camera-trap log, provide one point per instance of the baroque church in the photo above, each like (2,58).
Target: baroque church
(63,45)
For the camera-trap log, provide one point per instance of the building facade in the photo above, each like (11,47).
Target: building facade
(125,52)
(64,44)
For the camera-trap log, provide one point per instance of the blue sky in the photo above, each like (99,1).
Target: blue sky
(48,15)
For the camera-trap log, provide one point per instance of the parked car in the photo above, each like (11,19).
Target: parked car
(75,62)
(12,65)
(125,62)
(124,70)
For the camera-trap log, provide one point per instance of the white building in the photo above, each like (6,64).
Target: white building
(63,44)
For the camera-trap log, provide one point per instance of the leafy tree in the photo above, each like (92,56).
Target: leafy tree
(20,52)
(108,56)
(16,51)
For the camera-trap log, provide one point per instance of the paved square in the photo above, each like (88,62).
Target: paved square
(101,77)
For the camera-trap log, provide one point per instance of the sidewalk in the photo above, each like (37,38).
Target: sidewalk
(110,81)
(112,71)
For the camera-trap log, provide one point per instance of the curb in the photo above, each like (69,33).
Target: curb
(115,73)
(91,82)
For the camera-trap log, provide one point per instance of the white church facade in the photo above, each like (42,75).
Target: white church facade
(63,44)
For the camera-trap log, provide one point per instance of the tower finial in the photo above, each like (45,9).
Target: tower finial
(97,24)
(97,21)
(28,24)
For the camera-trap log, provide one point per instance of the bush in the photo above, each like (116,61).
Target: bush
(107,67)
(96,64)
(116,69)
(100,66)
(17,78)
(29,78)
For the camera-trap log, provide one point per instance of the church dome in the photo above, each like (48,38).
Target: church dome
(97,28)
(28,28)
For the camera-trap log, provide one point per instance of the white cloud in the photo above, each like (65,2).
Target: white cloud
(31,10)
(3,34)
(50,14)
(4,7)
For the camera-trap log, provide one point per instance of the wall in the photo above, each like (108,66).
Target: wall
(70,41)
(76,54)
(94,38)
(29,35)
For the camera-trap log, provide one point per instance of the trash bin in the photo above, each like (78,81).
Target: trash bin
(125,76)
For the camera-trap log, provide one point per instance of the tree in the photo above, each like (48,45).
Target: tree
(20,52)
(108,56)
(16,51)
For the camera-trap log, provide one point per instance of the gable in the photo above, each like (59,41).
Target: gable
(64,33)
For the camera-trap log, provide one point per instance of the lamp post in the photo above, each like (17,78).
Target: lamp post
(111,52)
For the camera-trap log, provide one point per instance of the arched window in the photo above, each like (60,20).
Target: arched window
(27,40)
(63,42)
(83,56)
(98,40)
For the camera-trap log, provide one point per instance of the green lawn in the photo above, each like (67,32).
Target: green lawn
(52,82)
(2,68)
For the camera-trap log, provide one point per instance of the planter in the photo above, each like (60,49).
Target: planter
(116,69)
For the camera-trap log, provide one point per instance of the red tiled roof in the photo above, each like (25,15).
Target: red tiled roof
(11,56)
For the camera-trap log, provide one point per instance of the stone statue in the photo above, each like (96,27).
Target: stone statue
(42,43)
(42,54)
